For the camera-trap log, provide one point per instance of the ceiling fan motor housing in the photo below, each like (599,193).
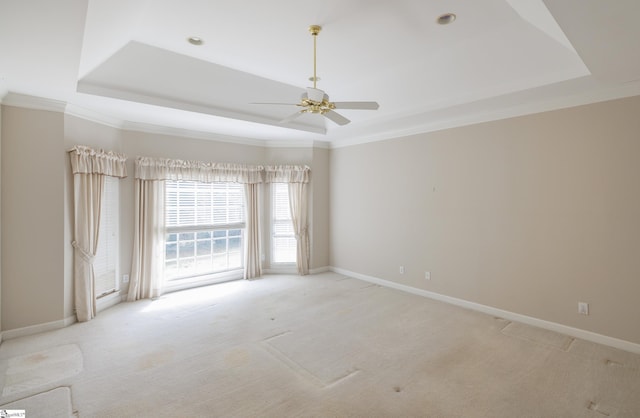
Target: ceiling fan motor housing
(316,95)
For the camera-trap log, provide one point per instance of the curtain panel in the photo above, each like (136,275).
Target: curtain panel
(85,160)
(287,174)
(89,169)
(168,169)
(148,239)
(253,239)
(299,207)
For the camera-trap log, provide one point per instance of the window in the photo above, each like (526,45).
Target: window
(283,239)
(104,263)
(204,228)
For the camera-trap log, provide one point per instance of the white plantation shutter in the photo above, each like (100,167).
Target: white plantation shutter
(204,204)
(220,209)
(191,203)
(104,263)
(235,203)
(283,249)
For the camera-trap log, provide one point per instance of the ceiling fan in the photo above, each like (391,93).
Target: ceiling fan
(315,100)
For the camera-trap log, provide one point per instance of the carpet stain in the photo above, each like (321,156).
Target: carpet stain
(155,359)
(36,358)
(604,410)
(538,335)
(237,357)
(613,363)
(35,370)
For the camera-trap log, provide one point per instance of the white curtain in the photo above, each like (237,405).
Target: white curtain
(148,238)
(299,204)
(89,168)
(253,250)
(168,169)
(298,179)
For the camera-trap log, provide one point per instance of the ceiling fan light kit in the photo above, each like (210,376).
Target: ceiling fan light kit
(316,101)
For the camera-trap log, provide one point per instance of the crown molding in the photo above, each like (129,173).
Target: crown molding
(542,105)
(41,103)
(295,143)
(187,133)
(33,102)
(93,116)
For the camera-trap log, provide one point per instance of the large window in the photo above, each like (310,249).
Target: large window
(205,228)
(104,263)
(283,239)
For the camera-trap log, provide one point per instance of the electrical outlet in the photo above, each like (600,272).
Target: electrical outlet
(583,308)
(401,269)
(125,278)
(427,275)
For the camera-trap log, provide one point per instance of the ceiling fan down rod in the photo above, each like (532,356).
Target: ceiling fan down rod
(315,30)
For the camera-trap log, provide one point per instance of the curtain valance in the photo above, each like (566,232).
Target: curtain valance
(287,174)
(86,160)
(148,168)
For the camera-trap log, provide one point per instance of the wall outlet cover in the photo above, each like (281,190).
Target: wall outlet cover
(583,308)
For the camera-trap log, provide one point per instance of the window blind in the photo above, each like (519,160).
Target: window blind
(283,248)
(191,203)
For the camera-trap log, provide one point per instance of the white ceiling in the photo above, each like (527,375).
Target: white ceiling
(128,62)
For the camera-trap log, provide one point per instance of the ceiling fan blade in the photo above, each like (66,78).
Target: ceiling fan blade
(285,104)
(292,117)
(336,117)
(357,105)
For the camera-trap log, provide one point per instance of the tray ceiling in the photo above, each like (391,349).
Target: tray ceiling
(130,63)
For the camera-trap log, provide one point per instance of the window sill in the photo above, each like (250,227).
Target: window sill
(108,301)
(191,282)
(282,268)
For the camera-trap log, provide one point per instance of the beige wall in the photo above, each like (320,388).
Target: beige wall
(528,215)
(33,166)
(0,223)
(319,209)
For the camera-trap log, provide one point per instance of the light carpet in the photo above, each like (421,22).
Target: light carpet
(329,346)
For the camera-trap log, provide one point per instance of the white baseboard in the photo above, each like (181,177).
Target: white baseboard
(512,316)
(294,270)
(320,270)
(281,270)
(36,329)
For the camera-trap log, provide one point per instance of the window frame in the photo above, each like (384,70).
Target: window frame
(108,235)
(273,220)
(209,277)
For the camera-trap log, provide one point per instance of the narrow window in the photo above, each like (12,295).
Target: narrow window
(283,240)
(104,263)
